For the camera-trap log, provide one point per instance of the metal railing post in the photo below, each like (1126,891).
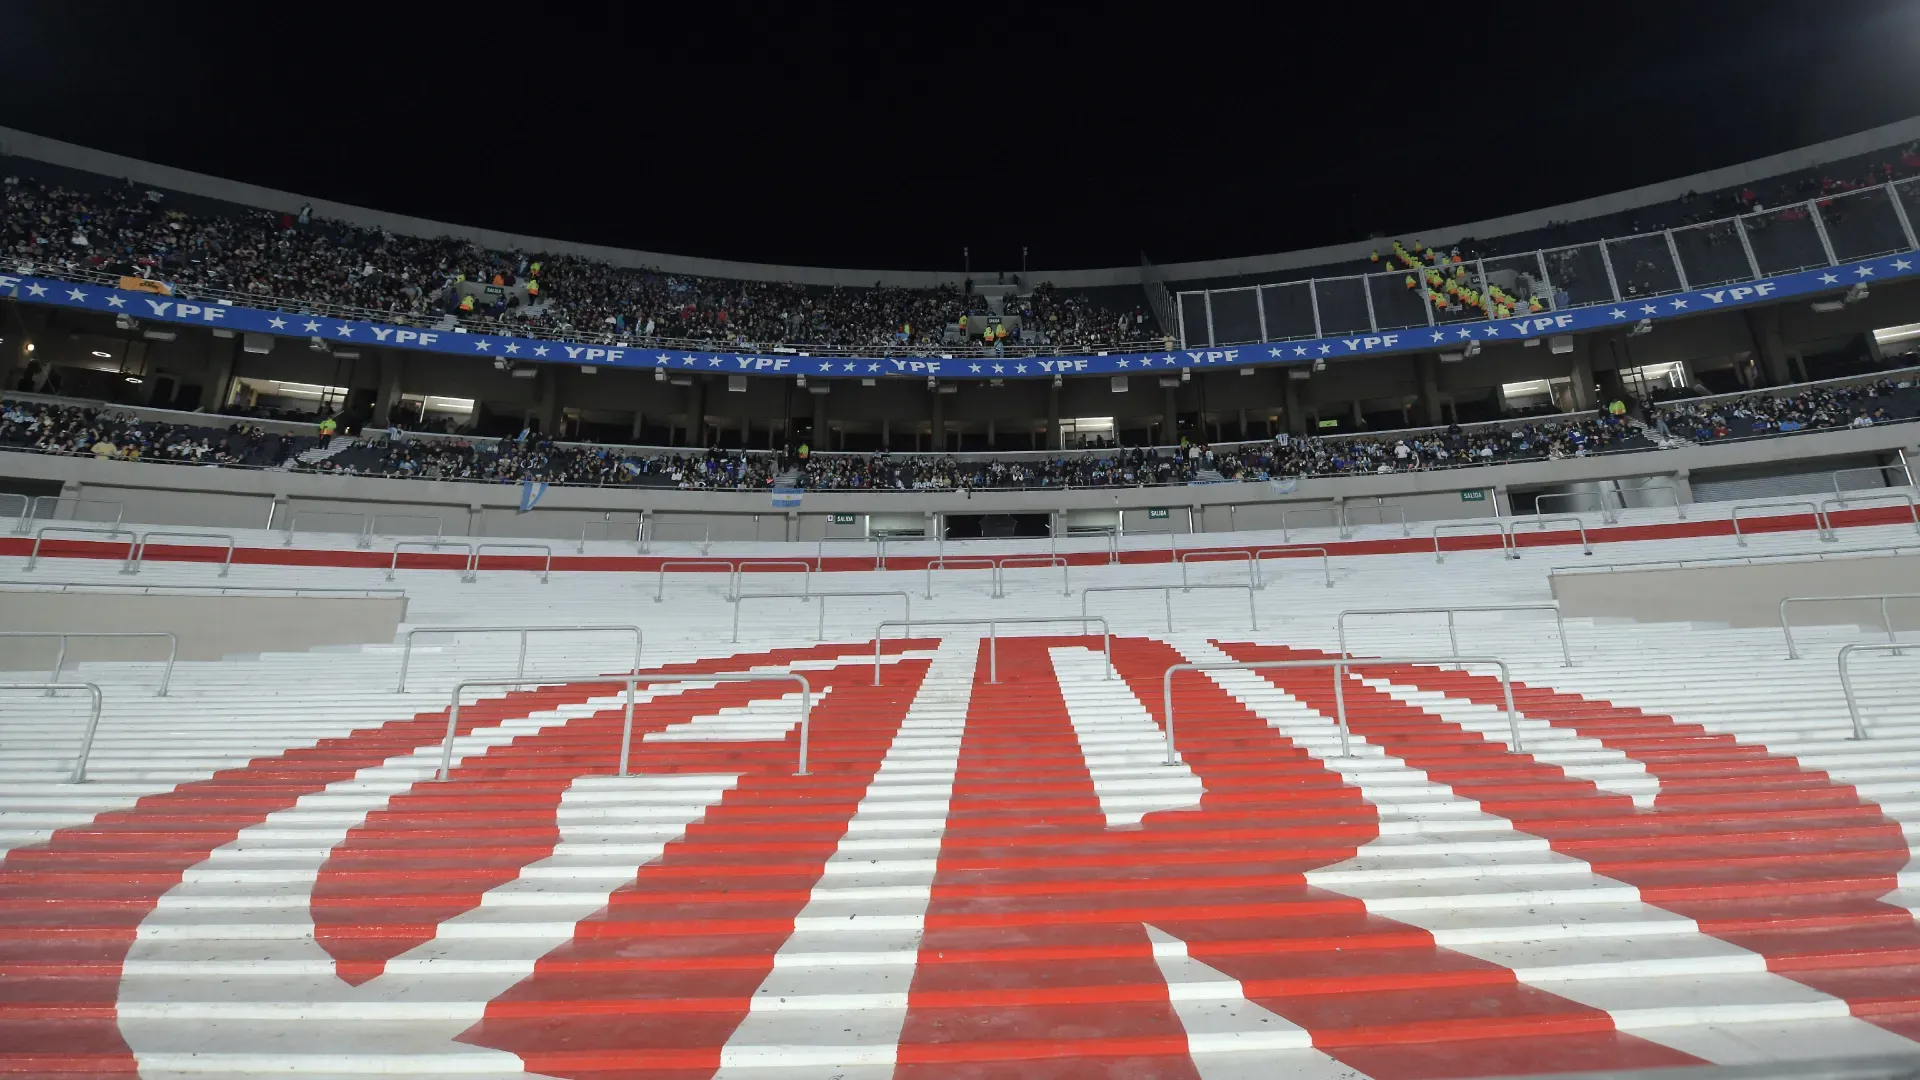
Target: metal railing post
(406,641)
(993,629)
(1786,628)
(78,775)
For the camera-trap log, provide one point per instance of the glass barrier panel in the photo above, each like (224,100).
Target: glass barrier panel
(1785,240)
(1513,283)
(1908,192)
(1193,319)
(1398,302)
(1712,254)
(1578,277)
(1236,316)
(1457,305)
(1289,310)
(1643,265)
(1343,305)
(1862,225)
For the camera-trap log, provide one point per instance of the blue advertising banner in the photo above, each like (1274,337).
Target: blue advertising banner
(164,309)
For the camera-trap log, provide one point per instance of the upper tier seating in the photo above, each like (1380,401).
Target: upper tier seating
(1685,860)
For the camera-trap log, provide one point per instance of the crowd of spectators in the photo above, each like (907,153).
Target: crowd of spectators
(511,461)
(1812,409)
(1451,448)
(86,431)
(927,472)
(304,261)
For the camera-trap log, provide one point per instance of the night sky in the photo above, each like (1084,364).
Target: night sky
(895,137)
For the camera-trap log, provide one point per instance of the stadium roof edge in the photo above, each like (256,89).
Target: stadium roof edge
(22,144)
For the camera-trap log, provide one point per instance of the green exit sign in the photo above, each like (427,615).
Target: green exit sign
(844,519)
(1155,515)
(1476,495)
(1329,423)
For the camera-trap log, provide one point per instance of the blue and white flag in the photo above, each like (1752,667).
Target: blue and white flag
(530,493)
(1285,485)
(786,498)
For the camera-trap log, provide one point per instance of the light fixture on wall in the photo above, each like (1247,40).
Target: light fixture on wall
(135,380)
(103,354)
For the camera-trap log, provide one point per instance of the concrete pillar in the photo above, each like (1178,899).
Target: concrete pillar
(697,413)
(1429,372)
(29,330)
(821,437)
(886,433)
(1359,420)
(1243,425)
(1170,429)
(937,440)
(1682,487)
(213,393)
(1581,374)
(547,407)
(1055,437)
(1763,324)
(1612,387)
(389,393)
(990,433)
(746,424)
(1295,418)
(639,421)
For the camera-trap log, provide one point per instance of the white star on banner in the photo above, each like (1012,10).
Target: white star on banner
(870,367)
(539,350)
(1466,332)
(999,369)
(1902,264)
(1167,360)
(1863,271)
(1649,309)
(1492,331)
(36,290)
(312,325)
(480,346)
(1273,352)
(1324,349)
(76,294)
(1829,279)
(1679,305)
(975,368)
(512,348)
(1124,361)
(277,323)
(713,361)
(1617,313)
(344,330)
(661,358)
(115,300)
(1020,368)
(1439,335)
(1299,350)
(687,361)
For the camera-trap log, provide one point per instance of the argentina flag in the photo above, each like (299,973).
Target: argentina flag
(530,492)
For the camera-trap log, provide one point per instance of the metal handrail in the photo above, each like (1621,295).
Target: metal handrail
(428,546)
(60,657)
(140,548)
(33,559)
(1877,470)
(1287,512)
(1607,515)
(406,641)
(941,562)
(993,637)
(660,592)
(740,570)
(32,513)
(473,559)
(1346,524)
(20,518)
(1586,548)
(1847,652)
(1166,591)
(1227,555)
(706,533)
(362,539)
(630,681)
(1822,528)
(1453,638)
(1886,620)
(1508,549)
(439,523)
(217,590)
(79,773)
(1326,563)
(820,629)
(1046,561)
(1716,560)
(639,523)
(1112,533)
(1340,667)
(879,554)
(1913,506)
(1656,483)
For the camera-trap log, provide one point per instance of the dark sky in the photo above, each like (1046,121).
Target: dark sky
(896,136)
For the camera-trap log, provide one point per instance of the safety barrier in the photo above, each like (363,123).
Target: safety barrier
(140,548)
(33,558)
(820,627)
(362,539)
(439,525)
(1111,533)
(1286,518)
(1723,560)
(1607,515)
(20,519)
(630,681)
(1340,668)
(32,512)
(79,773)
(473,560)
(1847,652)
(1000,567)
(1657,483)
(63,636)
(660,592)
(946,562)
(1913,507)
(428,546)
(993,636)
(1840,496)
(1453,638)
(740,569)
(1346,522)
(655,525)
(406,641)
(1886,620)
(1326,564)
(1540,522)
(216,590)
(1822,528)
(879,553)
(1508,549)
(639,524)
(1166,591)
(1217,556)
